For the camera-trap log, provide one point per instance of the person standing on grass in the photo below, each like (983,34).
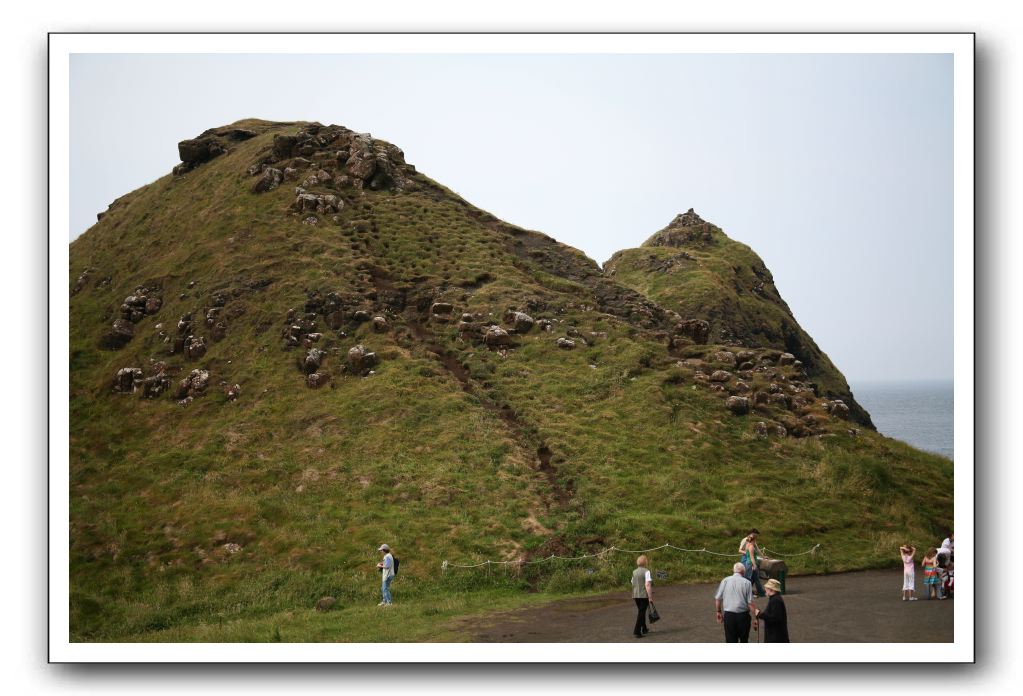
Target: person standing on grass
(929,564)
(750,555)
(386,567)
(775,617)
(733,603)
(908,573)
(642,593)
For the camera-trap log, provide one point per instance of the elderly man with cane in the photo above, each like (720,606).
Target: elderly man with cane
(733,603)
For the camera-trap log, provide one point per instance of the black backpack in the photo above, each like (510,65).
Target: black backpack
(396,562)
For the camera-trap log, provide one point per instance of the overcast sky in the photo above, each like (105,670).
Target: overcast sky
(836,169)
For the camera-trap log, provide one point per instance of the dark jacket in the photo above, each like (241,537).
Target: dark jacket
(776,620)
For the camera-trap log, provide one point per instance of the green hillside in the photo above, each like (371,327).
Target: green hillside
(296,346)
(693,268)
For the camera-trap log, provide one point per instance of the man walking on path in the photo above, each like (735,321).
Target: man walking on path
(642,592)
(733,603)
(386,567)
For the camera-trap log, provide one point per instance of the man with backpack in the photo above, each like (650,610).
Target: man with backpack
(388,569)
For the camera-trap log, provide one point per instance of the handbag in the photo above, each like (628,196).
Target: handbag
(653,616)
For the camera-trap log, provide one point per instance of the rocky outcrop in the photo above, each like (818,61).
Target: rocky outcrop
(144,301)
(697,330)
(687,229)
(838,409)
(118,336)
(441,311)
(566,343)
(131,380)
(208,145)
(496,337)
(317,380)
(316,203)
(82,280)
(195,347)
(361,360)
(312,360)
(270,179)
(739,405)
(127,380)
(359,160)
(520,321)
(193,385)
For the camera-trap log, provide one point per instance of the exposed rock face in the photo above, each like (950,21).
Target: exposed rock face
(361,160)
(317,203)
(724,357)
(686,229)
(720,376)
(360,360)
(317,380)
(118,336)
(195,348)
(739,405)
(142,302)
(786,359)
(211,143)
(153,387)
(127,380)
(520,321)
(566,343)
(697,330)
(82,280)
(379,324)
(496,337)
(194,384)
(198,150)
(270,180)
(312,361)
(441,311)
(838,409)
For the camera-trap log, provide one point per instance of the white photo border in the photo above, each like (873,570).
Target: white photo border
(63,45)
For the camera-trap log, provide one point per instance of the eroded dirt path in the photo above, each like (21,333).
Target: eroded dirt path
(843,608)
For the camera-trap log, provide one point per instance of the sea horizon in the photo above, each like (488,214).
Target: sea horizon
(918,412)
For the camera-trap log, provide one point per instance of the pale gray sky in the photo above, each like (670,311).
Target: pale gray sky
(836,169)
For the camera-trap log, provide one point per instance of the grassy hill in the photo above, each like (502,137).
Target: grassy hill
(236,455)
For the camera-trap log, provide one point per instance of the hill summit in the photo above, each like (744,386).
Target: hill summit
(296,346)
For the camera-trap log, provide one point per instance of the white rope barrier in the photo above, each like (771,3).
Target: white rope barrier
(446,564)
(790,555)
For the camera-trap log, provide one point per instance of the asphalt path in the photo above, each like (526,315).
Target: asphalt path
(861,607)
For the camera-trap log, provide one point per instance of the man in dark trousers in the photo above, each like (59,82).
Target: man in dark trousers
(733,603)
(775,618)
(642,593)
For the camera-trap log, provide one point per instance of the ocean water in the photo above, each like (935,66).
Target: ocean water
(919,413)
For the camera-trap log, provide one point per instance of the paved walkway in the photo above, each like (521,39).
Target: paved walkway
(857,607)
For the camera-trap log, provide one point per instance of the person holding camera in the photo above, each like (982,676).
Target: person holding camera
(386,567)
